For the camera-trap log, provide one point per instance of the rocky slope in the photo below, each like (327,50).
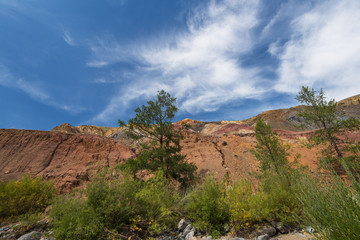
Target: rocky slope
(68,158)
(71,154)
(287,119)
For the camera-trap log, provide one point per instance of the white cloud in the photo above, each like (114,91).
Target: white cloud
(8,80)
(33,90)
(201,67)
(324,50)
(68,39)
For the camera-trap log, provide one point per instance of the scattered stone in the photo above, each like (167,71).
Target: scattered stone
(237,238)
(280,227)
(168,238)
(182,225)
(31,236)
(190,234)
(310,229)
(268,230)
(208,237)
(188,229)
(263,237)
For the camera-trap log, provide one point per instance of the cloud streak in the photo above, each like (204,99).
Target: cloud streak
(323,51)
(7,79)
(314,44)
(201,67)
(68,39)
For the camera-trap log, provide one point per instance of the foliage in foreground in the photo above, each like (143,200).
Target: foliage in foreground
(277,175)
(332,206)
(213,204)
(26,196)
(116,207)
(206,206)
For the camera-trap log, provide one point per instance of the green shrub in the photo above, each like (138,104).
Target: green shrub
(26,196)
(332,207)
(111,206)
(281,201)
(271,202)
(243,206)
(206,206)
(72,218)
(158,200)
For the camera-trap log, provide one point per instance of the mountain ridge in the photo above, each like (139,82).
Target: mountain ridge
(72,154)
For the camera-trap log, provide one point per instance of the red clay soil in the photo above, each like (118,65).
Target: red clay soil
(67,158)
(71,157)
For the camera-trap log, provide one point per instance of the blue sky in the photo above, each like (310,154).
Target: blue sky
(93,62)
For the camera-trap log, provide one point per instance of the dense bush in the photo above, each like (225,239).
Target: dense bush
(26,196)
(244,206)
(270,202)
(112,206)
(332,206)
(206,206)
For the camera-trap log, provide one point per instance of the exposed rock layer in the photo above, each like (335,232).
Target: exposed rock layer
(71,154)
(65,157)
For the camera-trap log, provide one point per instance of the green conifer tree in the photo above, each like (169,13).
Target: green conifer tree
(269,151)
(328,119)
(162,152)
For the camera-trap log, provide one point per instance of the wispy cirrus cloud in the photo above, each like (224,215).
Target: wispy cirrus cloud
(202,66)
(312,43)
(33,90)
(68,38)
(7,79)
(323,51)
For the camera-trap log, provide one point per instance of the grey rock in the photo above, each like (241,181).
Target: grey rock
(190,234)
(188,229)
(168,238)
(268,229)
(310,229)
(182,225)
(282,228)
(208,237)
(237,238)
(263,237)
(31,236)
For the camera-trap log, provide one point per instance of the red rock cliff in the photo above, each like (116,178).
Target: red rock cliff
(66,157)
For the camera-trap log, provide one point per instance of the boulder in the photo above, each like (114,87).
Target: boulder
(265,230)
(31,236)
(183,224)
(263,237)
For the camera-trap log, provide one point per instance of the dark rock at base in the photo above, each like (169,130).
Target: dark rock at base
(282,227)
(31,236)
(265,230)
(263,237)
(183,224)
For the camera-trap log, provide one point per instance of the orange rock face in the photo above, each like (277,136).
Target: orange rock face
(67,158)
(71,157)
(71,154)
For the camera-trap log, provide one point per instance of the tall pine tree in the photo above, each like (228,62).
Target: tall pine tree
(162,150)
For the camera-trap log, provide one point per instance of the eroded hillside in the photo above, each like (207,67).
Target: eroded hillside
(72,154)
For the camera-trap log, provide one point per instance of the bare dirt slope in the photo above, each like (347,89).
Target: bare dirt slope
(68,158)
(71,154)
(287,119)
